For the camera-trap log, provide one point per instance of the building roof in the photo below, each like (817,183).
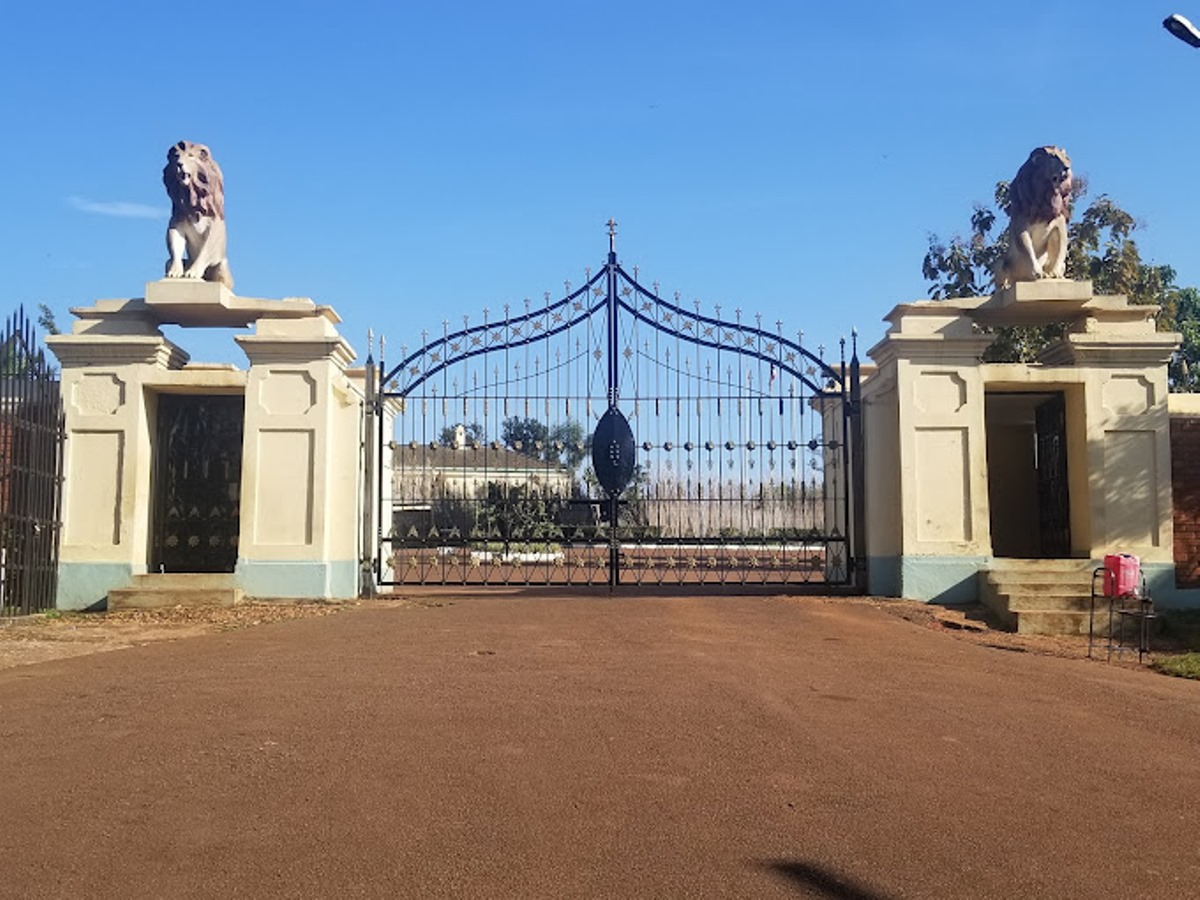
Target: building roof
(476,456)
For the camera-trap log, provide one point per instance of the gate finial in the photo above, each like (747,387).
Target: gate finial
(612,235)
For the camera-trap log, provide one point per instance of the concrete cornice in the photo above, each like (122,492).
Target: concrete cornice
(76,350)
(930,348)
(270,349)
(1153,349)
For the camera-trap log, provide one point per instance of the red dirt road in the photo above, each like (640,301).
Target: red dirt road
(518,747)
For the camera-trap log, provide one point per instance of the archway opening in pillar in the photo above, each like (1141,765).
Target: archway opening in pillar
(1029,492)
(196,484)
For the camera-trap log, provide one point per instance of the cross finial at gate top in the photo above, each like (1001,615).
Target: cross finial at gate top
(612,235)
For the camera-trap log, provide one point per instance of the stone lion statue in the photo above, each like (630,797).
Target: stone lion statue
(1039,201)
(196,232)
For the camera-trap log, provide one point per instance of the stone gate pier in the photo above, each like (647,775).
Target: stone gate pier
(973,466)
(209,478)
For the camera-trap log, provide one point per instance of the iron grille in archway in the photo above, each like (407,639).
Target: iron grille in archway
(613,437)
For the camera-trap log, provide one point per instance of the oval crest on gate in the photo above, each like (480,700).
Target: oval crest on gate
(613,451)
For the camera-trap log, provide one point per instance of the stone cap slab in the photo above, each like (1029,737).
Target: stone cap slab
(1153,349)
(928,318)
(78,350)
(192,303)
(115,318)
(1035,302)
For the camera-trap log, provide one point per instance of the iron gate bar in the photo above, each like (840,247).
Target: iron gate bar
(646,551)
(614,508)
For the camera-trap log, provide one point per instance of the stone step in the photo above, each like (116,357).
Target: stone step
(1047,602)
(1001,617)
(1040,596)
(1005,564)
(185,580)
(1039,581)
(1076,623)
(994,588)
(1053,623)
(1058,589)
(155,591)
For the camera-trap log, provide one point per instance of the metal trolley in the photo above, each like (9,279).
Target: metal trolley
(1130,616)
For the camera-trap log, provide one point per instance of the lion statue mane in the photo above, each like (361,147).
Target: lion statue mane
(196,232)
(1039,204)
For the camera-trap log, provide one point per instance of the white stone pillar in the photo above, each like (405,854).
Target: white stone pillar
(301,466)
(926,500)
(113,353)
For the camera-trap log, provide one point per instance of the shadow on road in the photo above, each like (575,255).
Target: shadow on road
(824,882)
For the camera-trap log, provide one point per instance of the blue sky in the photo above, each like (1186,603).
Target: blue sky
(414,162)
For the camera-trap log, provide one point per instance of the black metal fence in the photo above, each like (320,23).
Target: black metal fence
(31,435)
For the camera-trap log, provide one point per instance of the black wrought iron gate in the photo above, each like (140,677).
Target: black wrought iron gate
(31,435)
(613,437)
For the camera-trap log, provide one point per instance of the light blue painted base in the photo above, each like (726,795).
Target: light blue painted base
(314,580)
(1160,582)
(86,585)
(883,576)
(949,580)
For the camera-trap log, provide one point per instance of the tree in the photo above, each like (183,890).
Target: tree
(564,444)
(524,435)
(1182,313)
(575,446)
(473,432)
(1101,249)
(519,514)
(46,319)
(963,267)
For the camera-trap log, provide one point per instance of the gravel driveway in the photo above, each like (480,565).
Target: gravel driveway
(543,747)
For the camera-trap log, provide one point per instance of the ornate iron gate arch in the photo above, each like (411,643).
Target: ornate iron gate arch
(612,436)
